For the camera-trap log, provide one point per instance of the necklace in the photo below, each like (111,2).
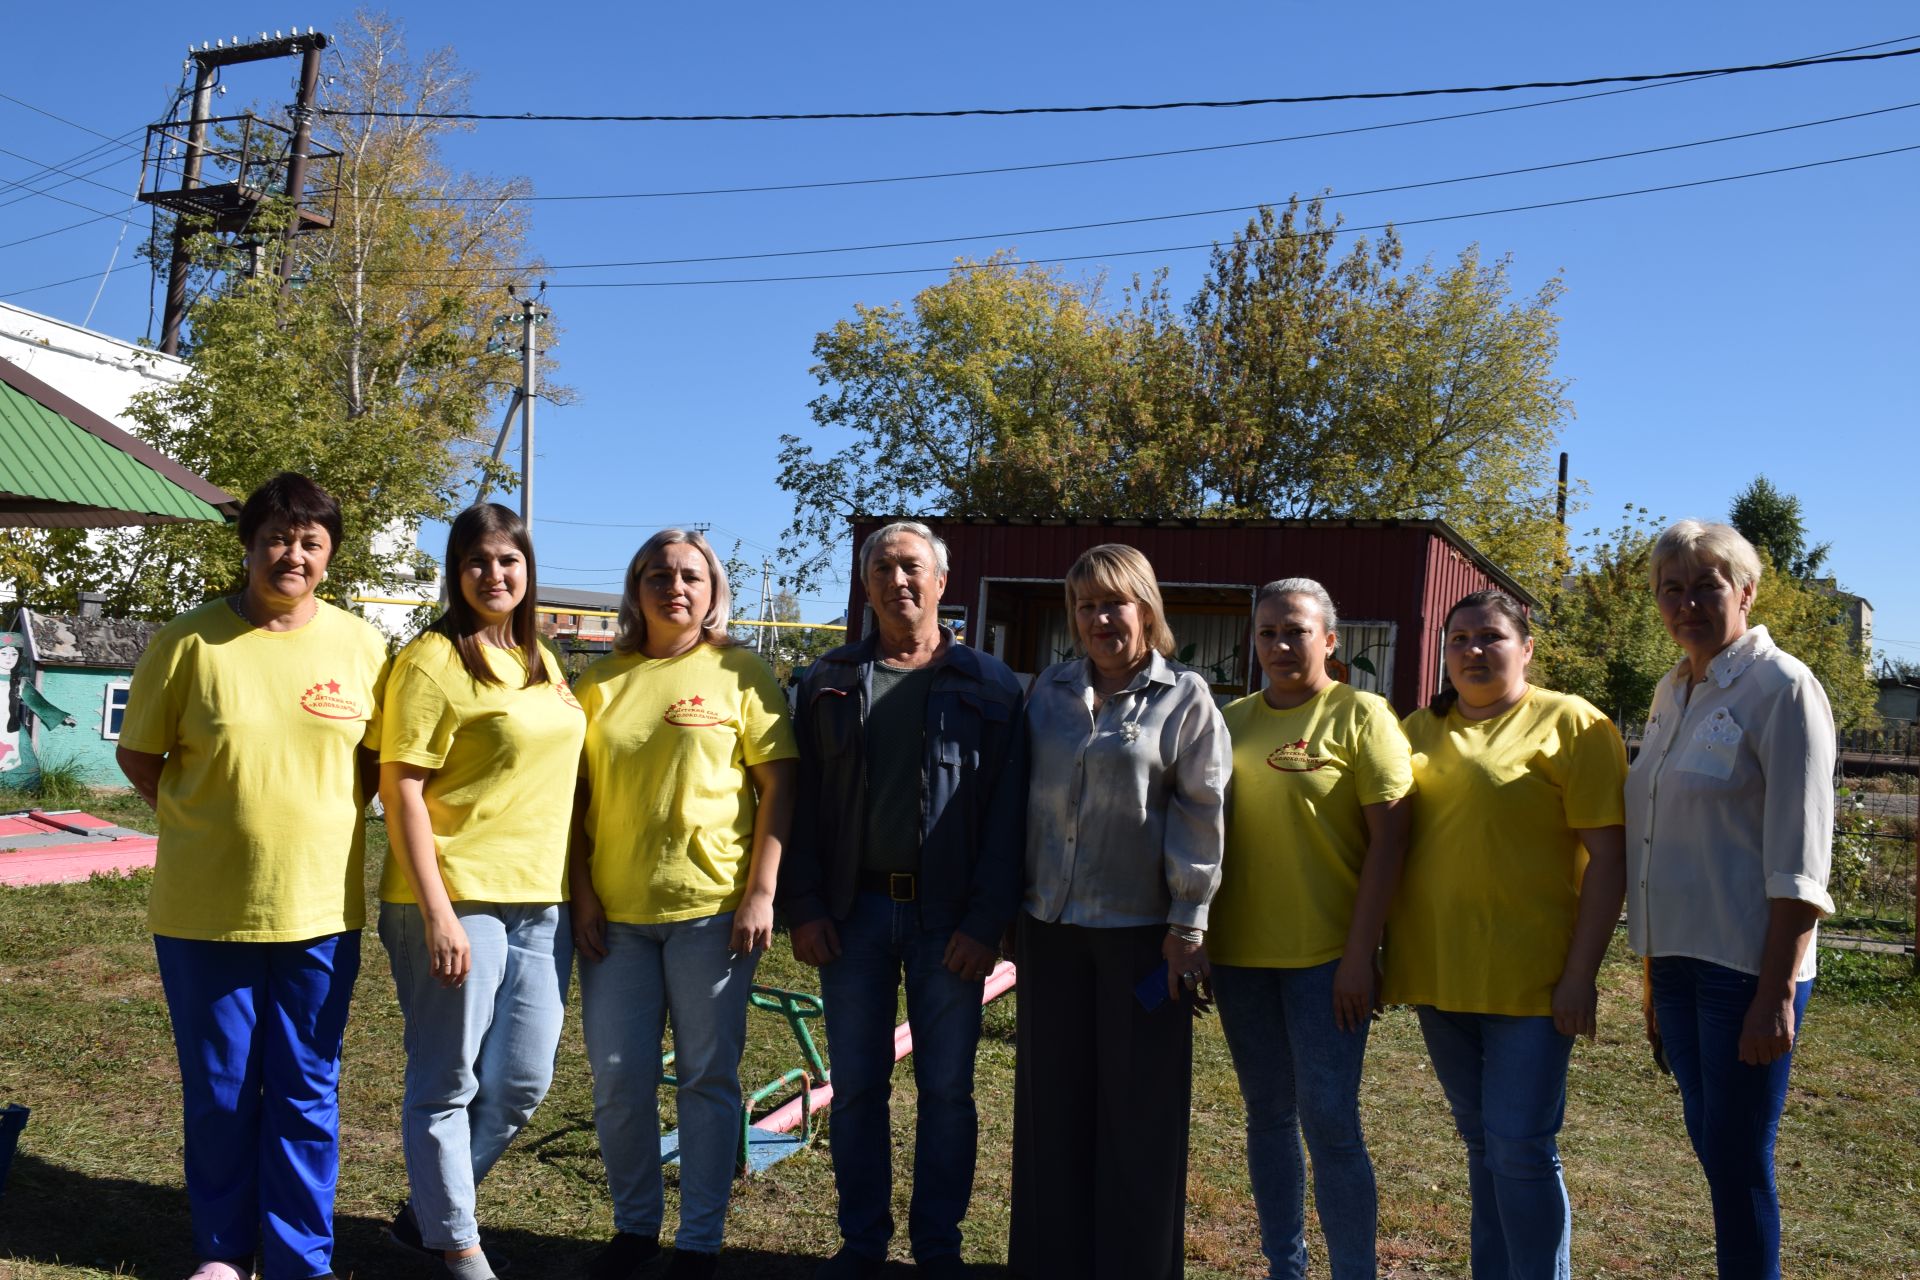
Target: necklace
(238,603)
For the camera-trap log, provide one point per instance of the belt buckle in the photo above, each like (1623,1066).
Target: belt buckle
(900,886)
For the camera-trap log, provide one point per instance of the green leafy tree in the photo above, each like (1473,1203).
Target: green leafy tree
(373,376)
(1770,518)
(1297,382)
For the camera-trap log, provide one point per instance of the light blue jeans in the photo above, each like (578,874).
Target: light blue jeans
(479,1055)
(1300,1075)
(686,969)
(1505,1077)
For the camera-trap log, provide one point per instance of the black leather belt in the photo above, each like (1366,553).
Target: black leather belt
(901,886)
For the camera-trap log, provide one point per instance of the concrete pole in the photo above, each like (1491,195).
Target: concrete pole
(175,312)
(529,370)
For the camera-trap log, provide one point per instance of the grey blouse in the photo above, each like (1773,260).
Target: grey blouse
(1126,810)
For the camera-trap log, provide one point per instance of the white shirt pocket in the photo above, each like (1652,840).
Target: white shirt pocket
(1715,746)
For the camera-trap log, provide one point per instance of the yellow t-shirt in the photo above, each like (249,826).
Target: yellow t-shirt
(1486,908)
(261,838)
(504,761)
(669,741)
(1296,832)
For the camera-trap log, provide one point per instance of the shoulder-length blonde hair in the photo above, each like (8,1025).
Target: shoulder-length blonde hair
(631,630)
(1115,569)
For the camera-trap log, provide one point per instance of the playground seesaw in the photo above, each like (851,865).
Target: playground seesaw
(789,1126)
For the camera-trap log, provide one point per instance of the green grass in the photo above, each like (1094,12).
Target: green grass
(95,1191)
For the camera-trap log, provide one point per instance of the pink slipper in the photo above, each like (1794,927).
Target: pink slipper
(219,1271)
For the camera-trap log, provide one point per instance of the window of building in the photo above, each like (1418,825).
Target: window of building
(113,709)
(1366,655)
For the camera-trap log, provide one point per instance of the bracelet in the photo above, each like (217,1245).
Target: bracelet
(1186,934)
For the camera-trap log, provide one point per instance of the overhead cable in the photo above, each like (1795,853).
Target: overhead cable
(1170,217)
(1184,248)
(120,142)
(1223,104)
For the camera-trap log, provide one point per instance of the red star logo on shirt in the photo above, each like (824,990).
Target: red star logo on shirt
(1299,746)
(333,686)
(695,700)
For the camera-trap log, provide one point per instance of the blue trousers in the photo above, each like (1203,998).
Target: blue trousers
(879,941)
(479,1055)
(686,968)
(1505,1078)
(258,1028)
(1732,1109)
(1300,1074)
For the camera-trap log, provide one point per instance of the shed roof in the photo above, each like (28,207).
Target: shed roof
(1439,528)
(62,465)
(68,640)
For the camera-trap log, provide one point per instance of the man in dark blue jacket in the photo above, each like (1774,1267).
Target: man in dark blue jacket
(907,856)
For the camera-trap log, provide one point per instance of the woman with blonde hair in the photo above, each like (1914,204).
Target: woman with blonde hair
(684,803)
(479,747)
(1730,825)
(1125,818)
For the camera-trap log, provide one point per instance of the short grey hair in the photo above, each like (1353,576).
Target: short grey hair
(1700,544)
(913,527)
(1301,587)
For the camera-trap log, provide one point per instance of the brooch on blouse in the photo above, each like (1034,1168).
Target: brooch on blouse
(1130,731)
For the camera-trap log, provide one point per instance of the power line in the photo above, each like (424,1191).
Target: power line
(91,153)
(1182,248)
(71,226)
(1174,217)
(769,188)
(120,141)
(54,284)
(1223,104)
(45,169)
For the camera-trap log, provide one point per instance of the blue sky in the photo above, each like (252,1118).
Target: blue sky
(1709,335)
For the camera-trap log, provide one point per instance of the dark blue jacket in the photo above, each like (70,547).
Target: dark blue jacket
(973,792)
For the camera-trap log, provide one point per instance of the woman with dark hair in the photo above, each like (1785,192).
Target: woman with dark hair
(1513,885)
(248,729)
(681,813)
(479,748)
(1316,832)
(1125,825)
(1731,805)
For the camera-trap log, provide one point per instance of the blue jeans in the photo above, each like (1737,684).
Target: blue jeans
(879,940)
(1732,1109)
(686,968)
(1300,1075)
(479,1055)
(258,1027)
(1505,1077)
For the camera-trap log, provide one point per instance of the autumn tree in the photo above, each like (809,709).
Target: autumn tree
(1299,381)
(372,376)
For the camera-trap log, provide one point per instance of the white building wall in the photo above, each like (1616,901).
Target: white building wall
(99,371)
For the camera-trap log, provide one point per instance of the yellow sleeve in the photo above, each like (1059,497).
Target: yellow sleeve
(1594,789)
(417,719)
(155,697)
(1383,761)
(765,726)
(371,740)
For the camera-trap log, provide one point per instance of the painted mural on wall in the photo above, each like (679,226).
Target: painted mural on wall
(67,694)
(12,649)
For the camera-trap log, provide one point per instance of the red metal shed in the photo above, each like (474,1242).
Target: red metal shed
(1392,580)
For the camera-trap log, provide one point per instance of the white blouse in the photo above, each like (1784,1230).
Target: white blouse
(1729,806)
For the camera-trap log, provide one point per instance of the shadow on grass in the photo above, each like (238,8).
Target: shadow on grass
(56,1216)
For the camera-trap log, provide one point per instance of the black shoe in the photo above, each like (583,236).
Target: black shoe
(848,1265)
(625,1256)
(946,1267)
(404,1232)
(690,1264)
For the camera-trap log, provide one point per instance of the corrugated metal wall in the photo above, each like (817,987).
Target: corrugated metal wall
(1405,574)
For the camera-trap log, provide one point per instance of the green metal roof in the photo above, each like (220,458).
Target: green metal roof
(63,465)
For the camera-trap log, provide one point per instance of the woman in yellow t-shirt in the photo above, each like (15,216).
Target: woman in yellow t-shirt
(679,822)
(1316,830)
(248,729)
(1513,885)
(479,747)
